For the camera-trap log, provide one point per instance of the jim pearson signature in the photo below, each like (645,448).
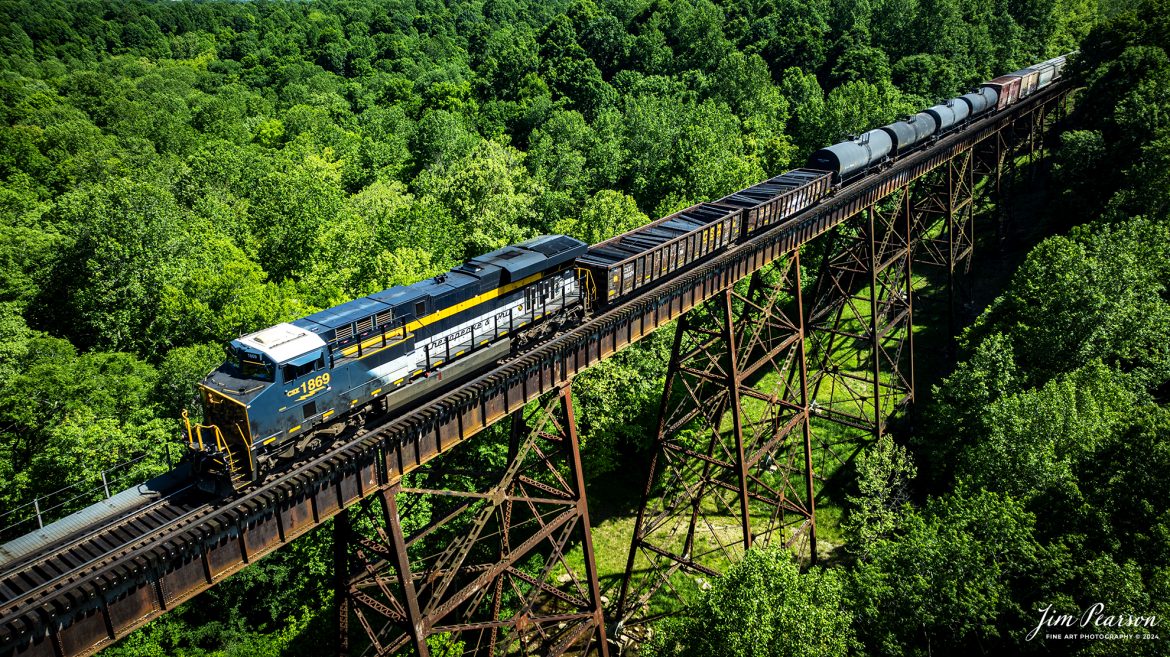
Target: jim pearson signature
(1095,616)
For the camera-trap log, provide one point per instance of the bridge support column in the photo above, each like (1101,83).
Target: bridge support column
(989,162)
(733,461)
(861,323)
(943,218)
(341,541)
(435,563)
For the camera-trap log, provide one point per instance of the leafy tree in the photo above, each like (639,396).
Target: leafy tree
(1096,295)
(884,472)
(441,138)
(855,107)
(27,242)
(487,192)
(569,70)
(291,207)
(793,33)
(125,239)
(558,160)
(929,77)
(865,63)
(764,606)
(619,401)
(1031,439)
(1080,156)
(606,42)
(685,152)
(605,214)
(948,580)
(175,174)
(66,416)
(507,57)
(178,373)
(807,100)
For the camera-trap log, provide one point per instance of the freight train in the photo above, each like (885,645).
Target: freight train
(289,389)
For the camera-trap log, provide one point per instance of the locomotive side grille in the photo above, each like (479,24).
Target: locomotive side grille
(385,317)
(365,324)
(345,332)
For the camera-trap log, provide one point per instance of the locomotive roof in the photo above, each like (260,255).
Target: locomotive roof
(397,296)
(528,257)
(442,284)
(344,313)
(281,342)
(488,271)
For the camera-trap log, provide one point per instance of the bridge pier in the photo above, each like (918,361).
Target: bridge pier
(752,374)
(427,565)
(944,215)
(861,324)
(725,449)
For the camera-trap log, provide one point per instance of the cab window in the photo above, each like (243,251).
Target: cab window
(256,366)
(233,359)
(292,372)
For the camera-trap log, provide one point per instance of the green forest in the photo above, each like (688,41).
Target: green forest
(176,174)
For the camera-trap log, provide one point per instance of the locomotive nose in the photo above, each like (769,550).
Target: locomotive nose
(221,455)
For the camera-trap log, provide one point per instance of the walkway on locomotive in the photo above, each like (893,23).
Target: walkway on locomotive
(343,356)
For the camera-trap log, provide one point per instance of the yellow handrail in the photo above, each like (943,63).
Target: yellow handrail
(587,287)
(190,442)
(195,434)
(247,448)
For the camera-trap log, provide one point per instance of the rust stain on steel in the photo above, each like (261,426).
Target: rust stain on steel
(401,596)
(102,605)
(719,459)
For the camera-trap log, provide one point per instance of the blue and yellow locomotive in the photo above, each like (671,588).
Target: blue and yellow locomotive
(387,349)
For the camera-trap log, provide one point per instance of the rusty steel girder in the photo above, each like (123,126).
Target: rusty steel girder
(487,573)
(733,443)
(847,358)
(943,214)
(91,605)
(861,321)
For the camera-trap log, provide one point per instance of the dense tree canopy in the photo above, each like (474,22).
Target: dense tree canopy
(765,606)
(1042,457)
(175,174)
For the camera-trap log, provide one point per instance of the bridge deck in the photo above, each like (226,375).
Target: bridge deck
(170,558)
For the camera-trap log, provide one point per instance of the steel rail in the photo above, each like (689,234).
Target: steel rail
(107,599)
(76,545)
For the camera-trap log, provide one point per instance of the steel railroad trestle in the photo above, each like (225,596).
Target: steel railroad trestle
(752,372)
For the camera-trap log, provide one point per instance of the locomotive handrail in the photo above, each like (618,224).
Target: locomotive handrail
(142,580)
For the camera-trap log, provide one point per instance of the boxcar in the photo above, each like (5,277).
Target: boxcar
(1057,64)
(1007,87)
(1046,74)
(1029,79)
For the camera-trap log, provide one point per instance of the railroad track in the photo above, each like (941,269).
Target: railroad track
(77,601)
(35,578)
(49,581)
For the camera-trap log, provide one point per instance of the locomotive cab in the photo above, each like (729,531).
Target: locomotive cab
(226,447)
